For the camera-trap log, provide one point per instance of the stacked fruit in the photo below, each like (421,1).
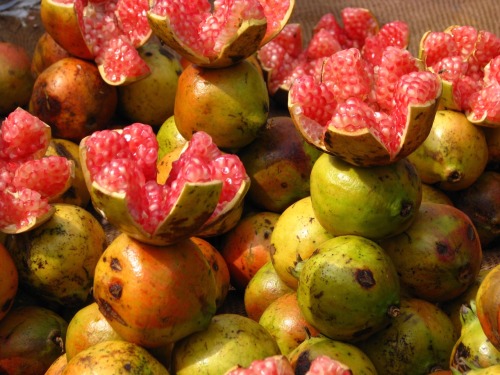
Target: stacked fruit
(318,220)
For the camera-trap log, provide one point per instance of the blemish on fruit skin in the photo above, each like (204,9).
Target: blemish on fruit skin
(6,305)
(365,278)
(107,310)
(115,264)
(115,289)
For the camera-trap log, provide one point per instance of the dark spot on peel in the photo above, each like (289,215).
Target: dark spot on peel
(115,264)
(365,278)
(116,289)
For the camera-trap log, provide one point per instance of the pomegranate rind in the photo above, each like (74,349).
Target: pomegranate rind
(54,14)
(244,43)
(230,215)
(362,147)
(194,206)
(275,27)
(32,223)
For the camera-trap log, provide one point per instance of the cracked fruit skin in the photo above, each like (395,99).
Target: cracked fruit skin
(154,295)
(230,104)
(376,202)
(348,289)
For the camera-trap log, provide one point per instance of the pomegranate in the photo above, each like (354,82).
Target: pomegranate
(366,115)
(218,34)
(154,295)
(168,137)
(284,320)
(295,237)
(285,57)
(120,171)
(229,340)
(151,100)
(87,327)
(468,61)
(31,339)
(231,104)
(376,202)
(454,154)
(246,247)
(46,52)
(57,367)
(440,262)
(28,181)
(16,81)
(57,259)
(342,352)
(348,289)
(473,349)
(106,31)
(417,341)
(9,281)
(279,171)
(114,357)
(487,306)
(263,289)
(273,365)
(71,96)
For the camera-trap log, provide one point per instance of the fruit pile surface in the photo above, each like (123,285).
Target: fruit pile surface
(215,187)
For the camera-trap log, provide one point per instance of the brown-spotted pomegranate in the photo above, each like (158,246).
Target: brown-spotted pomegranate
(154,295)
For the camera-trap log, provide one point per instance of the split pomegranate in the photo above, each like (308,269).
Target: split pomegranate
(28,180)
(218,34)
(107,31)
(366,114)
(120,172)
(286,58)
(468,61)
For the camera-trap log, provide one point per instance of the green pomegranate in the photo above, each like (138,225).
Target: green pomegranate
(57,259)
(472,349)
(418,341)
(279,163)
(151,100)
(31,338)
(228,341)
(349,354)
(296,235)
(374,202)
(454,154)
(348,289)
(439,256)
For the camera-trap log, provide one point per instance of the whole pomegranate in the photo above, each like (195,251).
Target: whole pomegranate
(16,81)
(230,104)
(71,96)
(154,295)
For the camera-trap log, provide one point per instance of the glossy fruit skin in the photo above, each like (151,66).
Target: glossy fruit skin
(481,202)
(417,341)
(113,357)
(230,104)
(285,322)
(247,247)
(47,51)
(439,256)
(454,154)
(219,267)
(57,367)
(71,96)
(488,306)
(16,81)
(9,281)
(264,288)
(279,170)
(295,237)
(154,295)
(31,338)
(348,289)
(473,349)
(375,202)
(86,328)
(349,354)
(229,340)
(57,260)
(151,100)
